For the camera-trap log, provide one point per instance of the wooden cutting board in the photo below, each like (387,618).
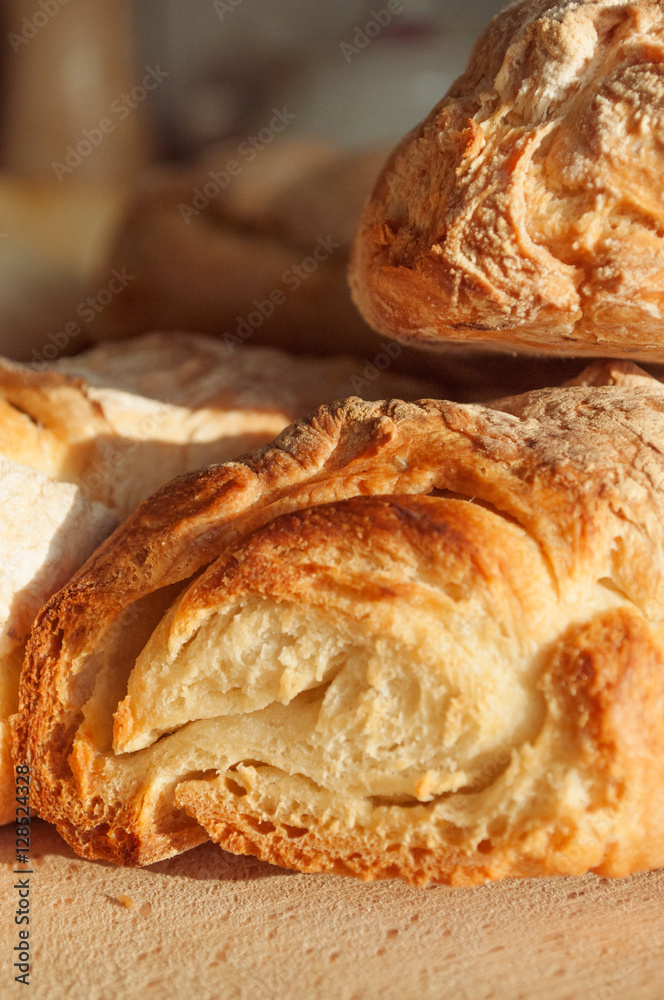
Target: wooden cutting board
(211,926)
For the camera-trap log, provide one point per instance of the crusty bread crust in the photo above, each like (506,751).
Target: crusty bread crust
(525,212)
(540,515)
(121,419)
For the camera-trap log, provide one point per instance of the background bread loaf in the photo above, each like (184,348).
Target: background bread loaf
(525,212)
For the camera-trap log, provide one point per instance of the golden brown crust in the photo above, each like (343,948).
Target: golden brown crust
(525,212)
(121,419)
(537,521)
(43,414)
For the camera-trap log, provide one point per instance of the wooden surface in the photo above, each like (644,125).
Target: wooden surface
(209,925)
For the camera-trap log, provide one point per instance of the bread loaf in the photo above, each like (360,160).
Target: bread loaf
(419,640)
(525,213)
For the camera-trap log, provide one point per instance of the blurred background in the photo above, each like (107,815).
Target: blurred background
(343,79)
(96,93)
